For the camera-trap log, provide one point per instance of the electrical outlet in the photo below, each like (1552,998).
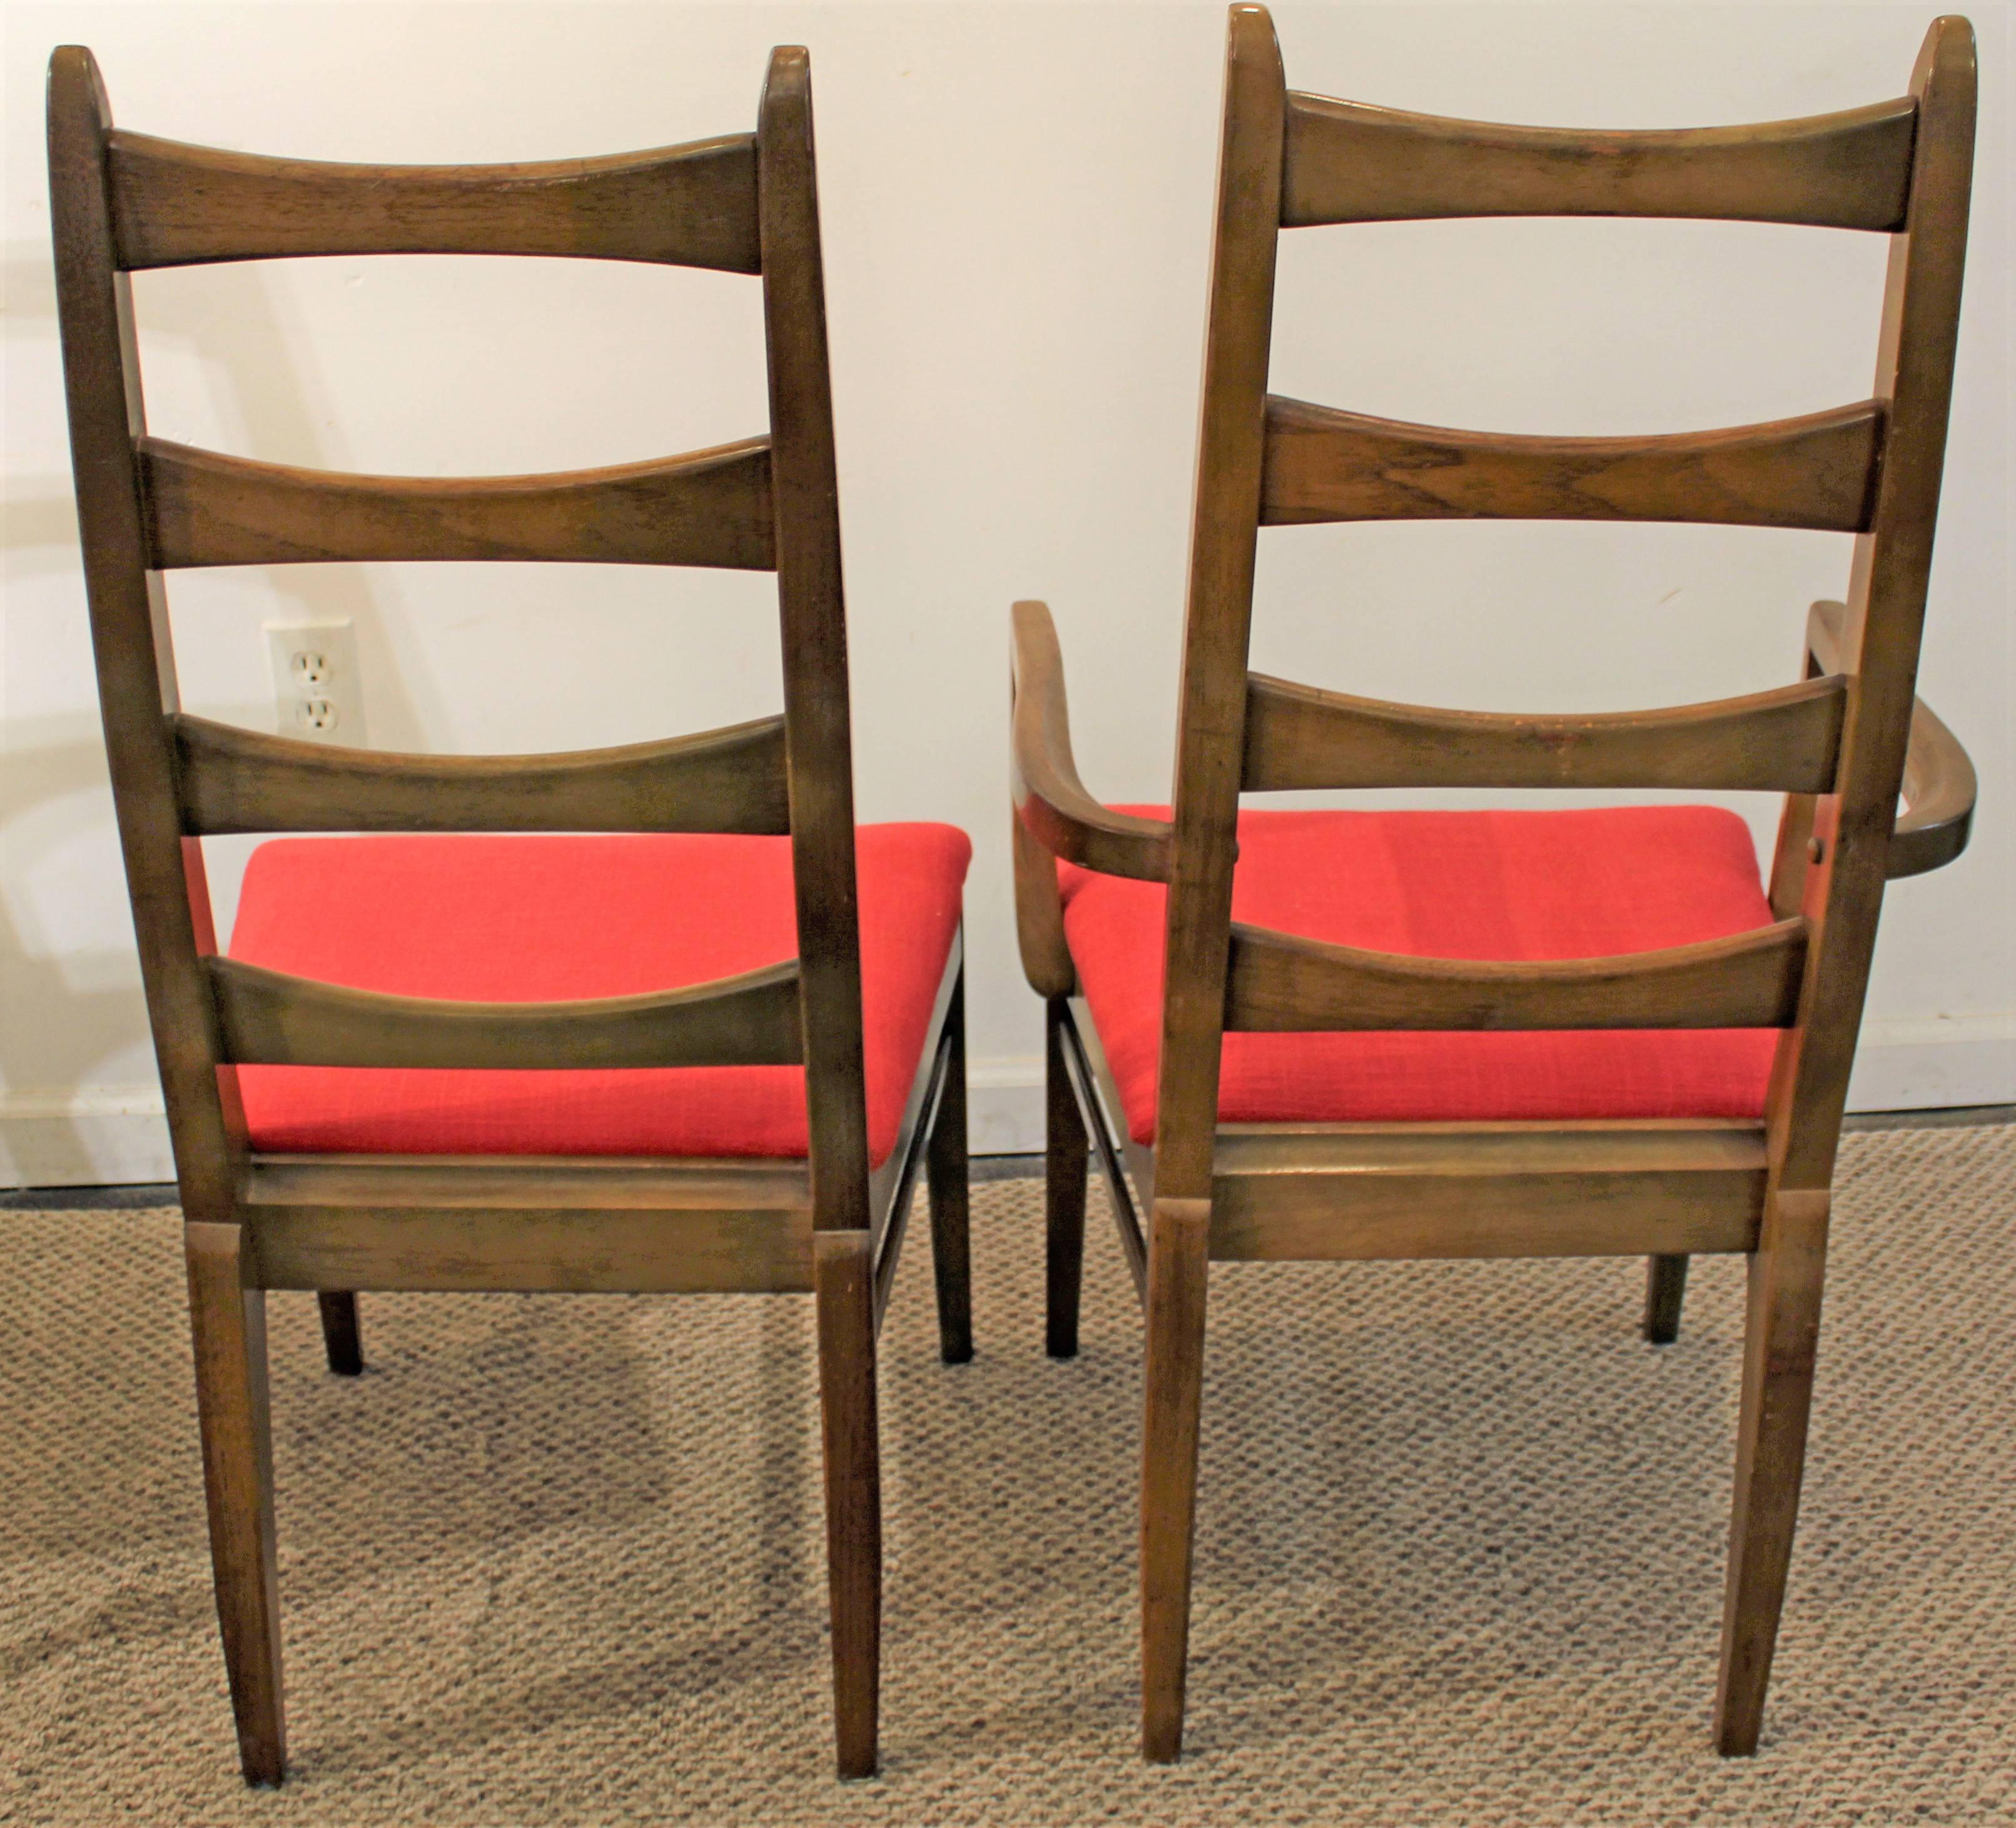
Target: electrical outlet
(318,690)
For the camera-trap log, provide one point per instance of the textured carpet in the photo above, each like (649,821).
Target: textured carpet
(558,1559)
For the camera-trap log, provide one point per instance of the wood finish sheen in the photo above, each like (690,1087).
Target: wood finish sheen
(710,508)
(1351,162)
(731,779)
(1938,786)
(269,1018)
(1281,981)
(692,205)
(1785,740)
(1050,800)
(744,203)
(1325,465)
(1842,745)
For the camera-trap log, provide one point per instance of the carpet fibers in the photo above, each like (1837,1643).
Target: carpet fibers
(1460,1553)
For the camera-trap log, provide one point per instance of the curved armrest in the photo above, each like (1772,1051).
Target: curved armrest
(1050,800)
(1939,786)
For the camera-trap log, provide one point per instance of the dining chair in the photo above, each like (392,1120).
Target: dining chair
(649,1018)
(1498,1032)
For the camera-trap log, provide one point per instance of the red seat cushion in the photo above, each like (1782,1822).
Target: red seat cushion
(526,918)
(1451,885)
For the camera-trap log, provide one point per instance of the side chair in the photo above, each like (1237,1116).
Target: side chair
(1501,1034)
(655,1018)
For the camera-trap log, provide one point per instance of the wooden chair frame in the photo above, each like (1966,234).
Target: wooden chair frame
(747,203)
(1841,745)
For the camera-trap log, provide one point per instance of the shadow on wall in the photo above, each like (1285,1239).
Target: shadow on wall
(70,1012)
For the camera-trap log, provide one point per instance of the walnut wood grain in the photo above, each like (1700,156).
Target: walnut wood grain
(269,1018)
(1316,1191)
(1374,1192)
(1939,786)
(708,508)
(1326,465)
(1217,623)
(692,205)
(337,1224)
(1841,889)
(1350,162)
(234,1414)
(727,780)
(811,605)
(1785,740)
(519,1247)
(1280,982)
(134,659)
(1050,800)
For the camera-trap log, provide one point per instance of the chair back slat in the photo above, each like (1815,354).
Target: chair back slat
(709,507)
(1349,162)
(270,1018)
(689,205)
(1278,982)
(1781,741)
(236,780)
(1818,471)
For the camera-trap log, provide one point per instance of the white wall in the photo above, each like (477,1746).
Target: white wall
(1015,201)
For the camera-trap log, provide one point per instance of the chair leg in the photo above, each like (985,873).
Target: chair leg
(1065,1150)
(1787,1271)
(844,1288)
(1178,1270)
(1665,1284)
(339,1334)
(228,1322)
(946,1177)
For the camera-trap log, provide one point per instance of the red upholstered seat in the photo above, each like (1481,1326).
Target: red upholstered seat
(531,918)
(1456,885)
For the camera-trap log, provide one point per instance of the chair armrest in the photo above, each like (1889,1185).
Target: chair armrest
(1939,784)
(1051,802)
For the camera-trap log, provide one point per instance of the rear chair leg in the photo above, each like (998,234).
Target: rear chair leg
(339,1334)
(844,1289)
(1178,1269)
(1065,1147)
(228,1322)
(1787,1270)
(945,1175)
(1665,1283)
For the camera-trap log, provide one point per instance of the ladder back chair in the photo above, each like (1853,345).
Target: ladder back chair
(1516,1034)
(699,1042)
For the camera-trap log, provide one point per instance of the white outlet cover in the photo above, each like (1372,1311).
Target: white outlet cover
(318,687)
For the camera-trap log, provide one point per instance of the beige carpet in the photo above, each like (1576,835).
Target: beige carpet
(557,1559)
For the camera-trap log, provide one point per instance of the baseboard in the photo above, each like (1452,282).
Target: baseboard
(112,1135)
(104,1136)
(1909,1065)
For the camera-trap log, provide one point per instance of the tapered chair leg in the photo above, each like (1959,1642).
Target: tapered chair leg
(1787,1271)
(946,1176)
(1665,1284)
(228,1322)
(339,1336)
(844,1288)
(1178,1267)
(1065,1148)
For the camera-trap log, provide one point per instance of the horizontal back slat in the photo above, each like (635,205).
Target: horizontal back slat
(691,206)
(270,1018)
(1782,741)
(1279,982)
(708,508)
(1349,162)
(1323,464)
(726,780)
